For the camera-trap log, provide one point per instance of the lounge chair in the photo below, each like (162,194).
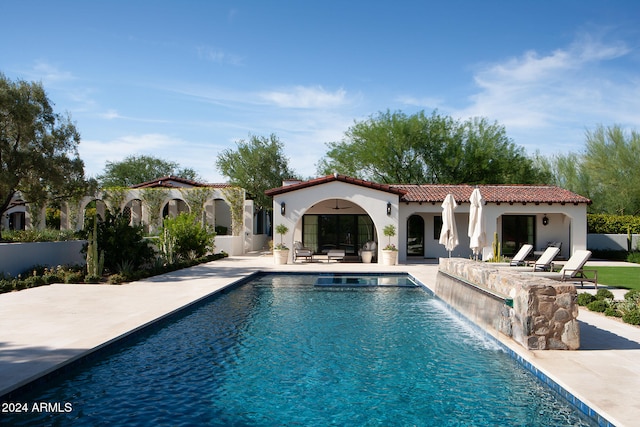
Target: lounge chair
(300,251)
(573,270)
(519,258)
(545,262)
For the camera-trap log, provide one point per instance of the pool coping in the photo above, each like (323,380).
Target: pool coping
(424,274)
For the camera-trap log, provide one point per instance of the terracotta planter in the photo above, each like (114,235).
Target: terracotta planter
(389,257)
(280,256)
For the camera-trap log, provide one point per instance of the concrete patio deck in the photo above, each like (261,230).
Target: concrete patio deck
(44,328)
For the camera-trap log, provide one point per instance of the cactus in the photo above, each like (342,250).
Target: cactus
(497,248)
(167,246)
(95,259)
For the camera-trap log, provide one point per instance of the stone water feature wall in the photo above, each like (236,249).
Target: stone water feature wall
(536,312)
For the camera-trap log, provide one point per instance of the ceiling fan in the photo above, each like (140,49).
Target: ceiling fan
(338,208)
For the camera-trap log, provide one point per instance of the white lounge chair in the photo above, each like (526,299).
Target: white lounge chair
(545,262)
(573,270)
(300,251)
(518,259)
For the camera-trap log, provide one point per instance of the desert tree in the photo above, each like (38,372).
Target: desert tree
(38,147)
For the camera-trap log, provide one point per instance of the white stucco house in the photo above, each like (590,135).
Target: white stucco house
(338,211)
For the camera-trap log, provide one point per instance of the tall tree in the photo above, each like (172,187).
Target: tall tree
(383,148)
(396,148)
(137,169)
(38,147)
(567,171)
(612,160)
(256,165)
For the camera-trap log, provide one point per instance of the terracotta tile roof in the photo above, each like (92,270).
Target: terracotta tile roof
(166,182)
(429,193)
(334,177)
(435,193)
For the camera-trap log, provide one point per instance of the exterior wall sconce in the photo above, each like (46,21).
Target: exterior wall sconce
(545,220)
(283,208)
(388,208)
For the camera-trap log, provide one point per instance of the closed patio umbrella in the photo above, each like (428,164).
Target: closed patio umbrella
(477,235)
(449,233)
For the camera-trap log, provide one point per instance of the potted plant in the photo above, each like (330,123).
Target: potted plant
(389,252)
(281,251)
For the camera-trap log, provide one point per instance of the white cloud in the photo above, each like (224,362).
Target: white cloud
(561,93)
(212,54)
(110,115)
(305,97)
(50,74)
(423,102)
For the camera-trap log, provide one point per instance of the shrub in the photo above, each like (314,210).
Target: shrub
(598,306)
(632,317)
(634,257)
(36,235)
(74,277)
(33,281)
(51,277)
(612,311)
(585,298)
(604,294)
(6,285)
(126,268)
(613,224)
(92,278)
(116,279)
(120,241)
(633,296)
(185,237)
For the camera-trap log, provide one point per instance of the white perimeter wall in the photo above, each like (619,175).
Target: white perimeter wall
(15,258)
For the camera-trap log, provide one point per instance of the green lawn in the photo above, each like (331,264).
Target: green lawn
(619,277)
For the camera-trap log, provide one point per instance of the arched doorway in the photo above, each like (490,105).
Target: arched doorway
(336,224)
(415,236)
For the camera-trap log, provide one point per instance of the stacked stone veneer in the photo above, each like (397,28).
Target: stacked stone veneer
(544,313)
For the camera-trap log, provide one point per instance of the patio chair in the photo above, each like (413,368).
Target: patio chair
(574,271)
(300,251)
(519,258)
(545,262)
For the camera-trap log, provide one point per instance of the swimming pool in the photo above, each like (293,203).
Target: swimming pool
(290,349)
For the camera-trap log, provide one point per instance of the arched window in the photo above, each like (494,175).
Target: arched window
(415,236)
(174,207)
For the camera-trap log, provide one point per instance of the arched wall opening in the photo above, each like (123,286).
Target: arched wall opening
(335,223)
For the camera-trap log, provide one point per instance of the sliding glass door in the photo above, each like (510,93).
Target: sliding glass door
(517,230)
(322,233)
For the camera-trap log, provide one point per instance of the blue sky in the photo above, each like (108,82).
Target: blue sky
(184,80)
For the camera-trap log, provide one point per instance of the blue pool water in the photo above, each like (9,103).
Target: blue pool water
(288,350)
